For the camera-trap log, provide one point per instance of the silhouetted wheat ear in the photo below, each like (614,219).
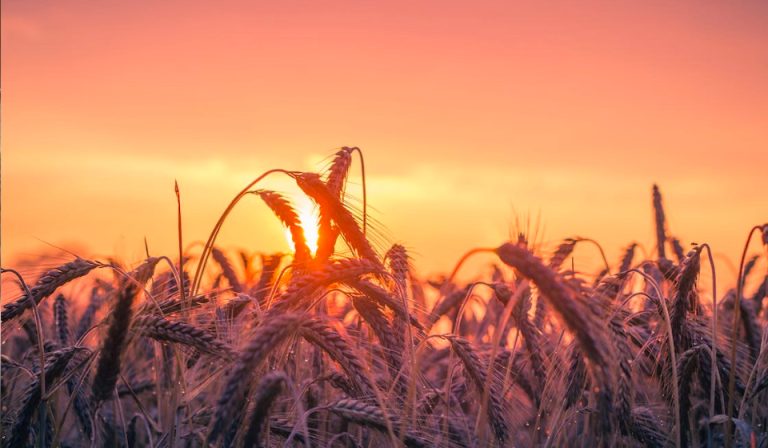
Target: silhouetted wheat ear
(315,188)
(660,219)
(586,326)
(108,367)
(172,306)
(335,181)
(266,337)
(564,250)
(625,391)
(95,302)
(269,265)
(384,298)
(324,336)
(144,271)
(282,208)
(226,269)
(476,369)
(678,248)
(61,320)
(685,295)
(579,320)
(576,376)
(47,284)
(530,335)
(159,328)
(373,417)
(337,173)
(626,260)
(340,382)
(398,265)
(267,390)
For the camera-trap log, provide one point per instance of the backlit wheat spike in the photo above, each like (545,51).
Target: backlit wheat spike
(684,298)
(335,181)
(61,319)
(372,416)
(47,284)
(145,270)
(398,265)
(563,251)
(384,298)
(95,301)
(227,270)
(626,260)
(314,187)
(157,327)
(586,327)
(661,222)
(288,216)
(111,353)
(320,333)
(563,300)
(269,265)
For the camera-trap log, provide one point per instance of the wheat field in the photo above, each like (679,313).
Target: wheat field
(340,343)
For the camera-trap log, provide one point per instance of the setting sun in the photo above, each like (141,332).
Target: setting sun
(309,219)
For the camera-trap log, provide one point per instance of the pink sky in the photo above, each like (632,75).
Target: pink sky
(469,114)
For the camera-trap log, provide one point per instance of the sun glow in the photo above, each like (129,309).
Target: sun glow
(309,219)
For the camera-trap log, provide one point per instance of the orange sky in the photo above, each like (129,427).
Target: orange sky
(469,114)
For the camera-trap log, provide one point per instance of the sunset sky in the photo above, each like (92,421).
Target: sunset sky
(470,115)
